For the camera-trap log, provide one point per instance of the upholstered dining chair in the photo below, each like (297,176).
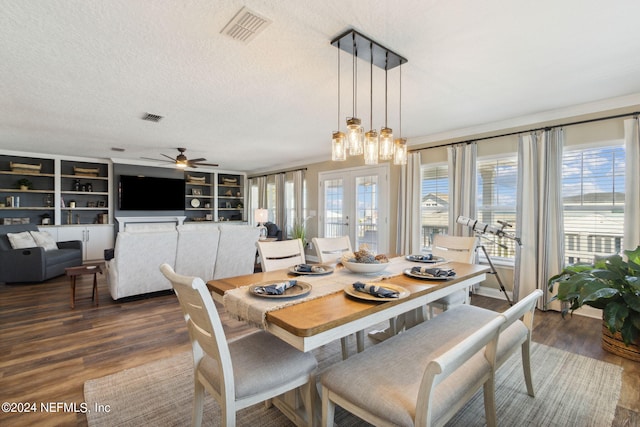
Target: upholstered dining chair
(241,373)
(330,249)
(458,249)
(281,254)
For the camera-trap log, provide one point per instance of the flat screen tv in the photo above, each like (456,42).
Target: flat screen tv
(146,193)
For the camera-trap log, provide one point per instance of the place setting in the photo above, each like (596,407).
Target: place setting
(376,292)
(311,269)
(430,273)
(280,289)
(425,258)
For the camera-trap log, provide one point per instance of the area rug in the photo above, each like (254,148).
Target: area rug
(571,390)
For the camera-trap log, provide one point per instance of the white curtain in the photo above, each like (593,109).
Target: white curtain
(261,183)
(632,184)
(408,241)
(280,216)
(462,186)
(297,178)
(539,221)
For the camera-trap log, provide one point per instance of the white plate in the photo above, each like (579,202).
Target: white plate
(297,290)
(410,273)
(433,260)
(327,270)
(402,292)
(195,203)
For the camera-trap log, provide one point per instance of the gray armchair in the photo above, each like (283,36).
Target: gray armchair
(35,264)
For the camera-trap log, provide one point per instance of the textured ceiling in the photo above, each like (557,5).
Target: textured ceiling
(76,76)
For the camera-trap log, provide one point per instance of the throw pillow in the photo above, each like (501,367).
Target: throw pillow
(44,240)
(21,240)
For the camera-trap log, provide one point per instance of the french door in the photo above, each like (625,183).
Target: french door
(355,203)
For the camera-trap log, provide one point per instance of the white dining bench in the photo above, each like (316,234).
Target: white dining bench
(424,375)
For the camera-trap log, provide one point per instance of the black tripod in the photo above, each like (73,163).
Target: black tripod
(494,271)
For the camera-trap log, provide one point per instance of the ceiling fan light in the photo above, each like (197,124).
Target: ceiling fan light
(338,147)
(371,148)
(400,151)
(355,135)
(386,144)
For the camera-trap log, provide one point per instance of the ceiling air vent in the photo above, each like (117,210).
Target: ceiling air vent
(152,117)
(245,25)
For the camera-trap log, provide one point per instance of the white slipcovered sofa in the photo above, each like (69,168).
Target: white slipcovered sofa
(206,250)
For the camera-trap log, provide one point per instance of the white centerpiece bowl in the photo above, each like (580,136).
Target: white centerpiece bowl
(364,268)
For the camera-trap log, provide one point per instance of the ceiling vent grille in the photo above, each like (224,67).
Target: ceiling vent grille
(152,117)
(245,25)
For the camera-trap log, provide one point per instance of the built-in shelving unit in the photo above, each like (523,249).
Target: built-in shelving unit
(199,196)
(231,201)
(57,191)
(35,200)
(84,191)
(214,197)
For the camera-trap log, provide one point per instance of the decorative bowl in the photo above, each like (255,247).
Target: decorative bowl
(364,268)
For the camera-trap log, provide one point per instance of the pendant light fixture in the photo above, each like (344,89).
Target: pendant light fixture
(373,147)
(338,140)
(355,133)
(400,144)
(386,134)
(371,137)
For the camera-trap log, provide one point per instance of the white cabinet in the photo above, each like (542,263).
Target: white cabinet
(95,238)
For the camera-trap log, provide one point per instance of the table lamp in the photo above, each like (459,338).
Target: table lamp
(261,216)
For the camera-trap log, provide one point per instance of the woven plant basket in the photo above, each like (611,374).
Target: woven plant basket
(613,343)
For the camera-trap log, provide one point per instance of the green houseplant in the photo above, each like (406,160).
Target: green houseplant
(612,285)
(299,231)
(23,184)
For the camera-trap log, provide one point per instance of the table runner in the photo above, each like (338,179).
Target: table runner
(243,305)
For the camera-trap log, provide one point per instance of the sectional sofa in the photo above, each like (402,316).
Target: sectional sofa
(206,250)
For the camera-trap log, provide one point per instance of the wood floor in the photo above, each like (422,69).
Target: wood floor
(48,350)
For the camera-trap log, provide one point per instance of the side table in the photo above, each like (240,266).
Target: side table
(74,272)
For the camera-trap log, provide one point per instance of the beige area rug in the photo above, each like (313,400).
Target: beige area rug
(571,390)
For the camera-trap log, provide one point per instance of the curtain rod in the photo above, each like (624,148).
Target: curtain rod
(469,141)
(277,173)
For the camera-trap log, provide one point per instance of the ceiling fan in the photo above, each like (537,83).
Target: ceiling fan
(181,160)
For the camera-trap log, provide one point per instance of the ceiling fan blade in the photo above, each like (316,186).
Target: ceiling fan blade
(170,158)
(207,164)
(158,160)
(198,160)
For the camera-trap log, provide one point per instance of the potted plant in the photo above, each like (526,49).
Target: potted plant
(612,285)
(23,184)
(299,231)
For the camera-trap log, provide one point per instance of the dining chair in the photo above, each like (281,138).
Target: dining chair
(458,249)
(243,372)
(281,254)
(330,249)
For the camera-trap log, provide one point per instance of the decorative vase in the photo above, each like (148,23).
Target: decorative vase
(613,343)
(24,187)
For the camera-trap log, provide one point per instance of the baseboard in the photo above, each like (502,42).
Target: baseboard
(585,311)
(492,293)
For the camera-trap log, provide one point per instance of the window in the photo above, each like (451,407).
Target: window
(593,199)
(496,202)
(434,203)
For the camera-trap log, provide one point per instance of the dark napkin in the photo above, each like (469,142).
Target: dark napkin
(308,268)
(433,272)
(427,257)
(374,290)
(275,288)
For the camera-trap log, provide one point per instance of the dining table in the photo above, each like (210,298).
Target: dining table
(328,310)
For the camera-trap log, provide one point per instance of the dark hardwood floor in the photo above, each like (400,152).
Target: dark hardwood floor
(48,350)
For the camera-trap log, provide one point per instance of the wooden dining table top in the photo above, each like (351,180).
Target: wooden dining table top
(315,316)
